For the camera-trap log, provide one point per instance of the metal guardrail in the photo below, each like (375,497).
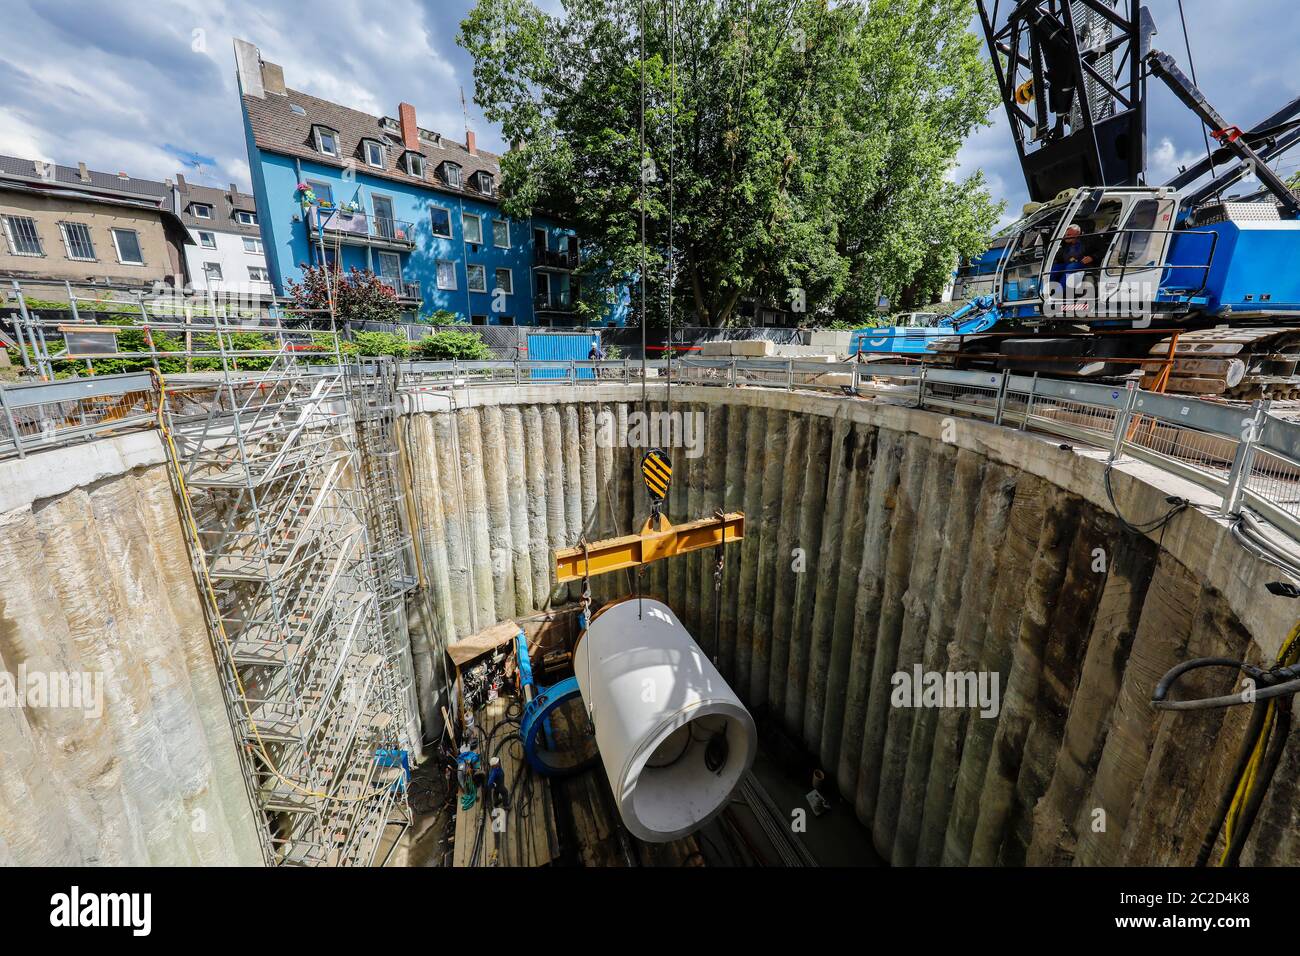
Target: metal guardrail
(1245,456)
(51,414)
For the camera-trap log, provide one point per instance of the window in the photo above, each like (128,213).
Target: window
(415,164)
(201,210)
(446,274)
(441,221)
(374,154)
(476,278)
(77,241)
(252,245)
(451,175)
(390,265)
(23,240)
(484,182)
(127,242)
(212,271)
(323,191)
(257,274)
(327,142)
(505,281)
(539,239)
(207,240)
(473,228)
(478,320)
(505,320)
(501,233)
(246,218)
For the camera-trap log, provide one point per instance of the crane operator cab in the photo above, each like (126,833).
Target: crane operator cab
(1091,255)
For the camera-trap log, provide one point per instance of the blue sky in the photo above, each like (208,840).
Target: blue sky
(149,89)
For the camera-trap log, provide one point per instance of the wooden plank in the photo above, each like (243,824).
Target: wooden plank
(474,646)
(525,840)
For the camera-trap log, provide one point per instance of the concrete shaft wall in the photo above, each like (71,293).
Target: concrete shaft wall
(880,538)
(95,578)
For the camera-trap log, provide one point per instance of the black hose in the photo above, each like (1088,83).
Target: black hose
(1230,700)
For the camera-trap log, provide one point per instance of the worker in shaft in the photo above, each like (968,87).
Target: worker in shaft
(497,794)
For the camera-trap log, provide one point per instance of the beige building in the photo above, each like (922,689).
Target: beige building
(89,228)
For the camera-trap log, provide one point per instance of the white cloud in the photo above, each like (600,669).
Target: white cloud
(1166,160)
(20,138)
(157,79)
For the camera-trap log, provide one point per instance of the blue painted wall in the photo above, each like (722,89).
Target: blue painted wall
(275,178)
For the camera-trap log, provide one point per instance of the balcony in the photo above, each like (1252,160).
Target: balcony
(360,229)
(555,302)
(554,259)
(406,291)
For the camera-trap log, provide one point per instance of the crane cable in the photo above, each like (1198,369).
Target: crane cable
(671,267)
(641,174)
(1191,63)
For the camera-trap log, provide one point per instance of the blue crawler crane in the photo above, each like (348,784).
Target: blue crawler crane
(1108,276)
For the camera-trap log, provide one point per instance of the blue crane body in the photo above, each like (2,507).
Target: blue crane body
(1099,251)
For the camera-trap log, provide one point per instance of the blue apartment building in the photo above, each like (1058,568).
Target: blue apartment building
(417,209)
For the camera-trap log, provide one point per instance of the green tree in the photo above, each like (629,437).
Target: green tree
(811,151)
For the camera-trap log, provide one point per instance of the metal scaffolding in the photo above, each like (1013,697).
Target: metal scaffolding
(298,543)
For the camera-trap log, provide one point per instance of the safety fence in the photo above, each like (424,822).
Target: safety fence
(1245,455)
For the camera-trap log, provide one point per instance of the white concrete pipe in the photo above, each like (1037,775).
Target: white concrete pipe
(674,738)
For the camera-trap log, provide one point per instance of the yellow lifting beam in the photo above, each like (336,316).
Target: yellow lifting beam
(652,544)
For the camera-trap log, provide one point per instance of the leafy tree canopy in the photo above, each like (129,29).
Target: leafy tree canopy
(810,145)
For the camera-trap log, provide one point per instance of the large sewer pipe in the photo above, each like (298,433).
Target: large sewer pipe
(673,736)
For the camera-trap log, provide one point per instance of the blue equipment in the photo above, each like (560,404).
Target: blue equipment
(978,315)
(535,724)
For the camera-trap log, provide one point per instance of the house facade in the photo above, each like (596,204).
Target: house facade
(227,255)
(421,211)
(70,224)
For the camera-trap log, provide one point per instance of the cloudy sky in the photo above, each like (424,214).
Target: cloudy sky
(149,88)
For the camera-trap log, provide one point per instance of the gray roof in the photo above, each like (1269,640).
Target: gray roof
(12,167)
(278,129)
(223,206)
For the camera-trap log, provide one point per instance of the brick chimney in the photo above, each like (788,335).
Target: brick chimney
(180,182)
(471,145)
(410,132)
(83,173)
(234,195)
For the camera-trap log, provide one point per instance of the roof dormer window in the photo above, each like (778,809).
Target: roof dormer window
(414,163)
(451,175)
(374,152)
(483,182)
(200,210)
(327,140)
